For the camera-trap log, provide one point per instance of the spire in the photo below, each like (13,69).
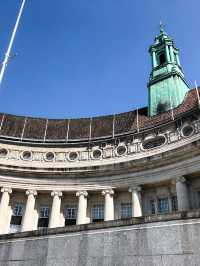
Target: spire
(167,78)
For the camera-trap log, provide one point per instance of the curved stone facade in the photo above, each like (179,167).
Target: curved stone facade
(151,167)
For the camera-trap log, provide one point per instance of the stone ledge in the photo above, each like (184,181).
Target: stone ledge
(184,215)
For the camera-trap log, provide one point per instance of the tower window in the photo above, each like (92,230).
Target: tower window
(162,58)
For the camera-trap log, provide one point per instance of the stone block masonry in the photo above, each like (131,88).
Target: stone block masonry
(162,240)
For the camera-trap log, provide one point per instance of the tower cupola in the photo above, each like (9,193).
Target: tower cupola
(167,85)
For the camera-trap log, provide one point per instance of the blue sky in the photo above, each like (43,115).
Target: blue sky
(88,58)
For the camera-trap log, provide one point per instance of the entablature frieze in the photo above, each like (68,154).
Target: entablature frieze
(129,150)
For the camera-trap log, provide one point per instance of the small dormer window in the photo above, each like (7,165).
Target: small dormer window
(162,58)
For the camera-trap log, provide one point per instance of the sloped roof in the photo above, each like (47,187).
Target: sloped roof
(40,129)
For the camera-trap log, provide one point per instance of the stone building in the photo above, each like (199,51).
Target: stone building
(142,163)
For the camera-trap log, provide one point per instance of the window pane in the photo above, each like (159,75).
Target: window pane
(44,212)
(174,203)
(98,212)
(126,210)
(163,205)
(18,209)
(70,213)
(153,206)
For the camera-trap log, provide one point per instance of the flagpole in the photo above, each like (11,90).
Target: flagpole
(7,55)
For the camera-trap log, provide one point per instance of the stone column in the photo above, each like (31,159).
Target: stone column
(182,194)
(167,53)
(108,205)
(171,53)
(178,59)
(55,209)
(28,218)
(4,210)
(82,207)
(136,201)
(154,60)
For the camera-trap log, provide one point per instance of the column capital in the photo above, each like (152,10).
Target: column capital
(108,191)
(135,189)
(6,189)
(31,192)
(81,193)
(180,179)
(56,193)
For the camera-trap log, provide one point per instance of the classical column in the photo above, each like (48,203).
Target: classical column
(182,194)
(171,53)
(154,60)
(178,59)
(28,218)
(4,210)
(108,205)
(136,201)
(55,209)
(167,53)
(82,207)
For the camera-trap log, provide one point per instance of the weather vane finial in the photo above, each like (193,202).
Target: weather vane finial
(162,26)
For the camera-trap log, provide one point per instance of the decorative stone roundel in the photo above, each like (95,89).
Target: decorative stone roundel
(154,142)
(121,150)
(187,131)
(97,154)
(3,152)
(49,156)
(26,155)
(73,156)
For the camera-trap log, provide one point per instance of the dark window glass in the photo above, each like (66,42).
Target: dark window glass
(162,58)
(174,203)
(198,194)
(43,221)
(153,206)
(163,205)
(16,220)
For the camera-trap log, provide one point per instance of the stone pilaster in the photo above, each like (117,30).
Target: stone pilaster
(55,209)
(82,207)
(4,210)
(28,218)
(136,201)
(182,194)
(108,205)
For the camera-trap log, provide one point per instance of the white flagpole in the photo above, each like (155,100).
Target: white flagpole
(197,93)
(7,55)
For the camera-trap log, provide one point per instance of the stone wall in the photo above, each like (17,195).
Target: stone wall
(158,240)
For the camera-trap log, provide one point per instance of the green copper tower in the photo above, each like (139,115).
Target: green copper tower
(167,85)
